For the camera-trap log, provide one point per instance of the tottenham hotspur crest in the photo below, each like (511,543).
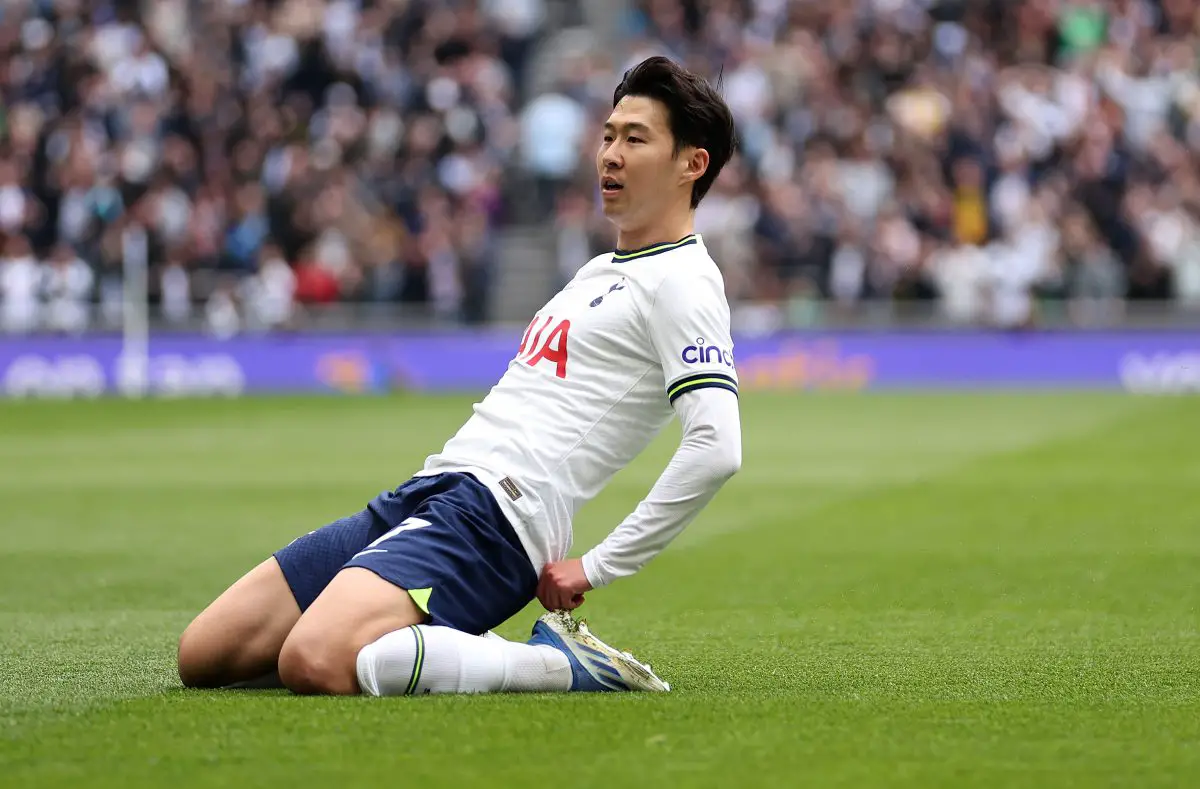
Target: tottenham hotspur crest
(619,286)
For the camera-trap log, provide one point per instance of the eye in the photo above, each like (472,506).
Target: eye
(608,138)
(636,140)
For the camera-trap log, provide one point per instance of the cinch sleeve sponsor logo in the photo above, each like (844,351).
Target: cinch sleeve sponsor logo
(706,354)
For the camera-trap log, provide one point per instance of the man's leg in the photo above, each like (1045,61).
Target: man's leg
(355,609)
(451,549)
(238,637)
(448,546)
(237,640)
(562,655)
(366,634)
(434,659)
(363,633)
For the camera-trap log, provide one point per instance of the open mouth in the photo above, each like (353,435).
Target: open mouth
(610,186)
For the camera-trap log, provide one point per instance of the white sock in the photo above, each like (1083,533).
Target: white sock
(427,659)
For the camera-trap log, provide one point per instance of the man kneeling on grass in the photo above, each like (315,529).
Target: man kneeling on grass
(401,597)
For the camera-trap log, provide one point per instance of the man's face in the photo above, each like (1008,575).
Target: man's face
(639,172)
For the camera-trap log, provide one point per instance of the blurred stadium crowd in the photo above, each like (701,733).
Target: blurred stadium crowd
(984,156)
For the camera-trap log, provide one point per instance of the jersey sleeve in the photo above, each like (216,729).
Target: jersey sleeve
(709,453)
(689,329)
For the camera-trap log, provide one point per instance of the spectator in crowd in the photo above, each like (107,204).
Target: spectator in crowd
(275,151)
(66,287)
(983,159)
(936,150)
(19,287)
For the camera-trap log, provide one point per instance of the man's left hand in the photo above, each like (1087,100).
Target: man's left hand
(562,585)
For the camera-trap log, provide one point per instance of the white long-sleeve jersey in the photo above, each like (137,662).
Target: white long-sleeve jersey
(635,337)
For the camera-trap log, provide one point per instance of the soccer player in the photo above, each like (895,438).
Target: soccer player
(401,597)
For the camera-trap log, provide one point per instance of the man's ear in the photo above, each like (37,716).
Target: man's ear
(695,165)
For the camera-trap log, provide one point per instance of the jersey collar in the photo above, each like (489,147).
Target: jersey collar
(622,255)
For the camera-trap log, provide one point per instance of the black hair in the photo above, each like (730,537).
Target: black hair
(697,114)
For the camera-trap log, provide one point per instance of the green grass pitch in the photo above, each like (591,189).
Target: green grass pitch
(898,590)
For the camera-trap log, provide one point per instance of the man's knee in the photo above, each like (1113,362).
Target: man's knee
(206,657)
(311,666)
(238,637)
(197,665)
(321,652)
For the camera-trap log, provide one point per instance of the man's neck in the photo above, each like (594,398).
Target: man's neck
(658,233)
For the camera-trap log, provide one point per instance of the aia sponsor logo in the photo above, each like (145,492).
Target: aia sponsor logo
(541,343)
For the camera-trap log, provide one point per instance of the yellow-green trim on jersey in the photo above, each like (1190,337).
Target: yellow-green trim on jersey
(621,255)
(701,381)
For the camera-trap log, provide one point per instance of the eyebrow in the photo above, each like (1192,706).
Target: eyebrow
(628,127)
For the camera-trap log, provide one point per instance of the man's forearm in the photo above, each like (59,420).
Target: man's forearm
(708,455)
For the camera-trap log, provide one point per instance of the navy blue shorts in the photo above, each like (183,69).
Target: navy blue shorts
(442,538)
